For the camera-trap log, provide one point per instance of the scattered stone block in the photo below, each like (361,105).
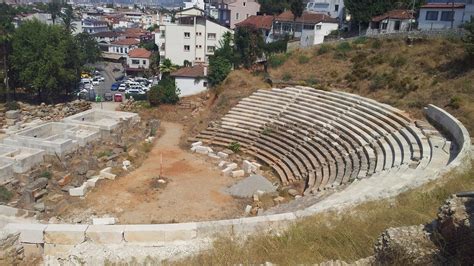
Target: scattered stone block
(126,163)
(79,191)
(232,166)
(39,207)
(65,234)
(238,173)
(293,192)
(198,143)
(29,233)
(213,156)
(248,209)
(92,182)
(227,171)
(202,149)
(278,200)
(103,221)
(65,180)
(12,114)
(222,164)
(222,155)
(106,173)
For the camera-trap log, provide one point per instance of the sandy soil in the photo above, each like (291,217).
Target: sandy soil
(193,192)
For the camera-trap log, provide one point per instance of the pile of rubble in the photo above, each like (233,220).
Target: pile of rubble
(30,114)
(128,105)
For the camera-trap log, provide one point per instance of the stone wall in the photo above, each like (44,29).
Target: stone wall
(58,239)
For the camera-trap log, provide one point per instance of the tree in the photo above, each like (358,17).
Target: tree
(43,59)
(469,38)
(89,50)
(362,11)
(6,30)
(165,92)
(219,68)
(167,67)
(155,63)
(54,8)
(273,7)
(249,46)
(68,17)
(297,8)
(226,49)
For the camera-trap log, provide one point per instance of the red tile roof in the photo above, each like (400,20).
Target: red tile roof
(395,14)
(307,17)
(139,53)
(190,72)
(443,5)
(259,22)
(126,42)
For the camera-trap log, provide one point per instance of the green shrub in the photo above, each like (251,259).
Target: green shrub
(303,59)
(378,82)
(12,106)
(277,60)
(312,81)
(46,174)
(104,154)
(136,96)
(165,92)
(360,40)
(5,194)
(234,146)
(398,61)
(267,131)
(344,47)
(287,76)
(376,44)
(455,102)
(324,48)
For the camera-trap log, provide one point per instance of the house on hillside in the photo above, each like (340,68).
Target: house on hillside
(138,61)
(93,26)
(310,28)
(123,46)
(332,8)
(391,22)
(263,23)
(191,80)
(241,10)
(191,38)
(105,38)
(439,16)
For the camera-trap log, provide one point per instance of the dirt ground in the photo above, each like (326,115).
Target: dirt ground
(193,192)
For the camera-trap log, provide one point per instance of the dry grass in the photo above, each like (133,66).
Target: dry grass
(408,77)
(346,236)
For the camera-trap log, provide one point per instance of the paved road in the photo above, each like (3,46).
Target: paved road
(109,76)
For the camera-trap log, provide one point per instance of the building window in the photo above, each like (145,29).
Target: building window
(210,49)
(384,25)
(432,15)
(187,48)
(318,27)
(336,8)
(447,16)
(397,25)
(198,33)
(135,62)
(237,15)
(244,3)
(211,36)
(144,62)
(187,35)
(198,46)
(205,84)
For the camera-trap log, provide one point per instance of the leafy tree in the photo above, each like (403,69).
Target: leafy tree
(362,11)
(89,50)
(469,38)
(165,92)
(273,7)
(150,46)
(6,30)
(40,58)
(249,45)
(297,8)
(226,49)
(54,8)
(155,63)
(167,67)
(68,17)
(219,68)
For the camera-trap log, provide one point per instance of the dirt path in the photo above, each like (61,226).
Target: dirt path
(193,192)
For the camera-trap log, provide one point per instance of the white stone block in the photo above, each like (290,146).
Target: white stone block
(198,143)
(213,156)
(65,234)
(222,164)
(29,233)
(103,221)
(248,209)
(107,174)
(201,150)
(92,182)
(155,233)
(105,234)
(227,171)
(79,191)
(126,163)
(247,166)
(232,166)
(223,155)
(238,173)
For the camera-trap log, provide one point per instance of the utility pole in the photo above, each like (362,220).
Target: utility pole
(410,27)
(452,14)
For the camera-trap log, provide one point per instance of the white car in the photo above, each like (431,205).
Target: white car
(99,78)
(95,81)
(122,87)
(135,91)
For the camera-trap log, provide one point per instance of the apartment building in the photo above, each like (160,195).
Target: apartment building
(192,39)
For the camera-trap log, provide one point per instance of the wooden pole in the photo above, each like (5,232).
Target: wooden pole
(161,165)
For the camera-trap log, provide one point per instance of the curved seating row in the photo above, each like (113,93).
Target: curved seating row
(324,138)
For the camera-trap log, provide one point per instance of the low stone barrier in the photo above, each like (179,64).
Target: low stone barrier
(58,239)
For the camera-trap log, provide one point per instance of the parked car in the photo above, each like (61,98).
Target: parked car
(95,81)
(99,78)
(118,97)
(122,87)
(135,90)
(108,96)
(115,86)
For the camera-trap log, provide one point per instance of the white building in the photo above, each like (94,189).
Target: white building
(148,20)
(191,80)
(438,16)
(191,38)
(93,26)
(194,3)
(316,34)
(333,8)
(138,60)
(391,22)
(123,46)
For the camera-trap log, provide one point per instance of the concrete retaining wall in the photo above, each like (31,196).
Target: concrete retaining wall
(461,161)
(58,239)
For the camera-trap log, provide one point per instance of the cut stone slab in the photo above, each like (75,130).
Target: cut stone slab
(238,173)
(250,185)
(65,234)
(198,143)
(105,234)
(29,233)
(12,114)
(103,221)
(91,182)
(79,191)
(106,173)
(155,233)
(213,156)
(223,155)
(222,164)
(202,149)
